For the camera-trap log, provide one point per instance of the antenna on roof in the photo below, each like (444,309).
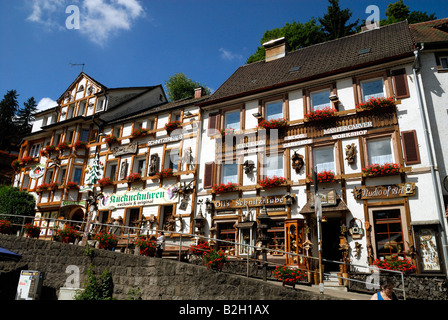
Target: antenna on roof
(78,64)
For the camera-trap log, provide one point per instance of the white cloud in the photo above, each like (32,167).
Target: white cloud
(228,55)
(99,19)
(46,103)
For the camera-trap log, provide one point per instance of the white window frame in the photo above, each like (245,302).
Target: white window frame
(35,150)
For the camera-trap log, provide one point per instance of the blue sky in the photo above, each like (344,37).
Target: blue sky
(141,42)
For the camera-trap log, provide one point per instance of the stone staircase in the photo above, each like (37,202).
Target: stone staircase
(331,282)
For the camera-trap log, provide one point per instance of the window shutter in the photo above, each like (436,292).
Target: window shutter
(208,175)
(410,147)
(213,124)
(400,84)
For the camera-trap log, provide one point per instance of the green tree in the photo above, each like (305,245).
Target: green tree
(25,116)
(398,11)
(335,21)
(16,202)
(8,110)
(180,87)
(298,35)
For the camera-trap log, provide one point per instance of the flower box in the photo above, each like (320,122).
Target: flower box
(80,145)
(134,177)
(27,160)
(214,259)
(227,132)
(63,146)
(137,133)
(5,226)
(111,140)
(106,241)
(147,246)
(323,176)
(42,187)
(376,104)
(165,173)
(289,276)
(275,181)
(381,170)
(273,124)
(171,126)
(224,188)
(104,182)
(15,164)
(404,265)
(31,230)
(48,150)
(53,186)
(320,115)
(67,235)
(72,185)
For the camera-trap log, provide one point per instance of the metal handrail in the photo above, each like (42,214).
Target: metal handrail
(138,231)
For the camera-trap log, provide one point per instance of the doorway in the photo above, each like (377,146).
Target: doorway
(331,231)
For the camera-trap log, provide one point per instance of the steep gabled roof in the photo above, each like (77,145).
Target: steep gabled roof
(78,78)
(363,49)
(430,31)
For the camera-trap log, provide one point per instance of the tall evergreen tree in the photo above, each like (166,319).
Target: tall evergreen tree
(335,21)
(8,110)
(25,116)
(398,11)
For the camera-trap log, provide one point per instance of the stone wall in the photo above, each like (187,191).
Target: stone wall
(156,278)
(417,287)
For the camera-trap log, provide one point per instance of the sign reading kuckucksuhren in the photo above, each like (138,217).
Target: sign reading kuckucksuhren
(144,197)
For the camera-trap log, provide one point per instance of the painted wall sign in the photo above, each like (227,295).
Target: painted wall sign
(384,192)
(297,143)
(144,197)
(350,127)
(37,171)
(296,137)
(125,149)
(349,134)
(251,202)
(65,203)
(165,140)
(251,144)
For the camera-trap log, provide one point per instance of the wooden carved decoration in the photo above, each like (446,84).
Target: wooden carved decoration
(154,164)
(350,153)
(124,169)
(187,158)
(248,166)
(297,162)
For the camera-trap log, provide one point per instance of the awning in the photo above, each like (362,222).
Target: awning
(6,255)
(340,206)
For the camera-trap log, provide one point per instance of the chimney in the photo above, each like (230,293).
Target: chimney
(198,92)
(275,49)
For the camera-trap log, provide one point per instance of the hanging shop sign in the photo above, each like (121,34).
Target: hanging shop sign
(384,192)
(37,171)
(137,198)
(328,198)
(251,202)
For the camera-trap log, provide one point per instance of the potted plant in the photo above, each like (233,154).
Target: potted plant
(147,246)
(62,146)
(53,186)
(72,185)
(15,164)
(224,188)
(289,276)
(80,145)
(139,132)
(275,181)
(31,230)
(323,176)
(66,235)
(104,182)
(27,160)
(5,226)
(111,140)
(134,177)
(165,173)
(273,124)
(48,150)
(214,259)
(381,170)
(321,114)
(376,104)
(106,241)
(171,126)
(200,249)
(396,263)
(42,187)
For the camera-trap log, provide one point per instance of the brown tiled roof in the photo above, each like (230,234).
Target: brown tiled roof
(383,44)
(431,31)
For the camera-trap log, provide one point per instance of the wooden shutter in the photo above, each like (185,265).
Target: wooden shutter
(410,147)
(400,84)
(213,124)
(208,175)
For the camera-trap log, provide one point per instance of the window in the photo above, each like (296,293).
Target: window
(232,120)
(69,136)
(49,176)
(111,170)
(274,110)
(61,175)
(57,138)
(70,111)
(175,117)
(320,100)
(372,89)
(444,63)
(380,151)
(323,159)
(77,173)
(167,217)
(35,150)
(172,160)
(226,232)
(139,166)
(273,165)
(82,108)
(388,232)
(84,136)
(132,219)
(229,173)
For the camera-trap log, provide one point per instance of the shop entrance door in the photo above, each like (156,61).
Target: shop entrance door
(331,230)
